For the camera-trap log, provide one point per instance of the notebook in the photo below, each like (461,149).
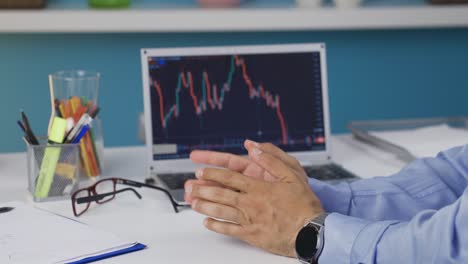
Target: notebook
(213,98)
(31,235)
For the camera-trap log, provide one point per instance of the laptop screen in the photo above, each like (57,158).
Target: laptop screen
(216,102)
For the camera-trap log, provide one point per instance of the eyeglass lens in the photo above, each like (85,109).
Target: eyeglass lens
(100,187)
(105,186)
(80,208)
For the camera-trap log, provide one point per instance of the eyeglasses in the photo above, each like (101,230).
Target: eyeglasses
(105,190)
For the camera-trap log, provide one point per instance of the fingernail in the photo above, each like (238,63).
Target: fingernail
(188,189)
(256,152)
(253,143)
(198,173)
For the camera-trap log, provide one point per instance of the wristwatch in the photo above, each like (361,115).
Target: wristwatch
(310,240)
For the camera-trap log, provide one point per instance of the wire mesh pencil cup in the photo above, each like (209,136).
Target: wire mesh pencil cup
(54,171)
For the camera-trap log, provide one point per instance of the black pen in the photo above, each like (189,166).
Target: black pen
(29,131)
(6,209)
(95,112)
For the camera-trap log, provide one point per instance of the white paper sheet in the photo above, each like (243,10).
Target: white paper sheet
(31,235)
(426,141)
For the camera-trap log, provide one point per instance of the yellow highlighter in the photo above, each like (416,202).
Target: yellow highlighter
(51,158)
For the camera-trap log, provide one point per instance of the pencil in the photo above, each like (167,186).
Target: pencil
(28,128)
(91,156)
(62,110)
(85,158)
(93,140)
(68,110)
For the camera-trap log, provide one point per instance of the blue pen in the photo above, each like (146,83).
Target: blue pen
(81,134)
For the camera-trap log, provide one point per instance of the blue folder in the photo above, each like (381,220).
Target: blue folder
(132,248)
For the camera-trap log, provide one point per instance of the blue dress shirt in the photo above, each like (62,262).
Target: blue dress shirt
(419,215)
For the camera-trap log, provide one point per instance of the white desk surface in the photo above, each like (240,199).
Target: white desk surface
(171,237)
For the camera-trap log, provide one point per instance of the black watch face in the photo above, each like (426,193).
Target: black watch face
(306,242)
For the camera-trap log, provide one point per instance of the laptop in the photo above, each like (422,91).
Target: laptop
(213,98)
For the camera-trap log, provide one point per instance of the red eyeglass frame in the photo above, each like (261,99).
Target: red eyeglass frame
(94,196)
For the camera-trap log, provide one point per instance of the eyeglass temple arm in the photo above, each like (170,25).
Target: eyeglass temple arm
(101,196)
(139,184)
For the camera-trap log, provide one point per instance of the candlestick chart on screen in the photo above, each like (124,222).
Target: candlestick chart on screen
(216,102)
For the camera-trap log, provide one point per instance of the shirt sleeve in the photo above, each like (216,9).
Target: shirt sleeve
(428,183)
(432,236)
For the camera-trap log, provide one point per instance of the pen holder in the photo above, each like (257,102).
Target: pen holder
(74,93)
(54,171)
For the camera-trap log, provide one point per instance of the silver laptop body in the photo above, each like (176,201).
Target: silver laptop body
(215,97)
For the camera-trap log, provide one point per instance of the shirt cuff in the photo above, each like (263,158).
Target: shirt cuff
(340,233)
(350,239)
(335,198)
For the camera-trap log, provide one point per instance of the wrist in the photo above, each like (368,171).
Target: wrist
(309,241)
(301,221)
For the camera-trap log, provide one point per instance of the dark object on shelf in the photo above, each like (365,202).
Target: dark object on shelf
(443,2)
(219,3)
(23,4)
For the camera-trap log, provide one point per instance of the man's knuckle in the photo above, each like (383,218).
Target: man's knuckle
(195,190)
(296,161)
(229,176)
(233,215)
(247,184)
(217,210)
(217,192)
(240,216)
(266,158)
(230,161)
(236,200)
(244,201)
(251,231)
(195,205)
(208,172)
(209,224)
(208,193)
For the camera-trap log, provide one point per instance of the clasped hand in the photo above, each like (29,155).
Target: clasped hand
(263,200)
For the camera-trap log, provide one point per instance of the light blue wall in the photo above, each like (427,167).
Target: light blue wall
(372,74)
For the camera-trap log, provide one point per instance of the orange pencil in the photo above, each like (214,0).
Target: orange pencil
(75,102)
(96,154)
(68,110)
(62,110)
(85,158)
(93,154)
(90,153)
(80,110)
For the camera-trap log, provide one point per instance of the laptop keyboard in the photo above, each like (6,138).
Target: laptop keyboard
(329,172)
(176,180)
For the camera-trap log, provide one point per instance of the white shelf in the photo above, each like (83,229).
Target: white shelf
(222,20)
